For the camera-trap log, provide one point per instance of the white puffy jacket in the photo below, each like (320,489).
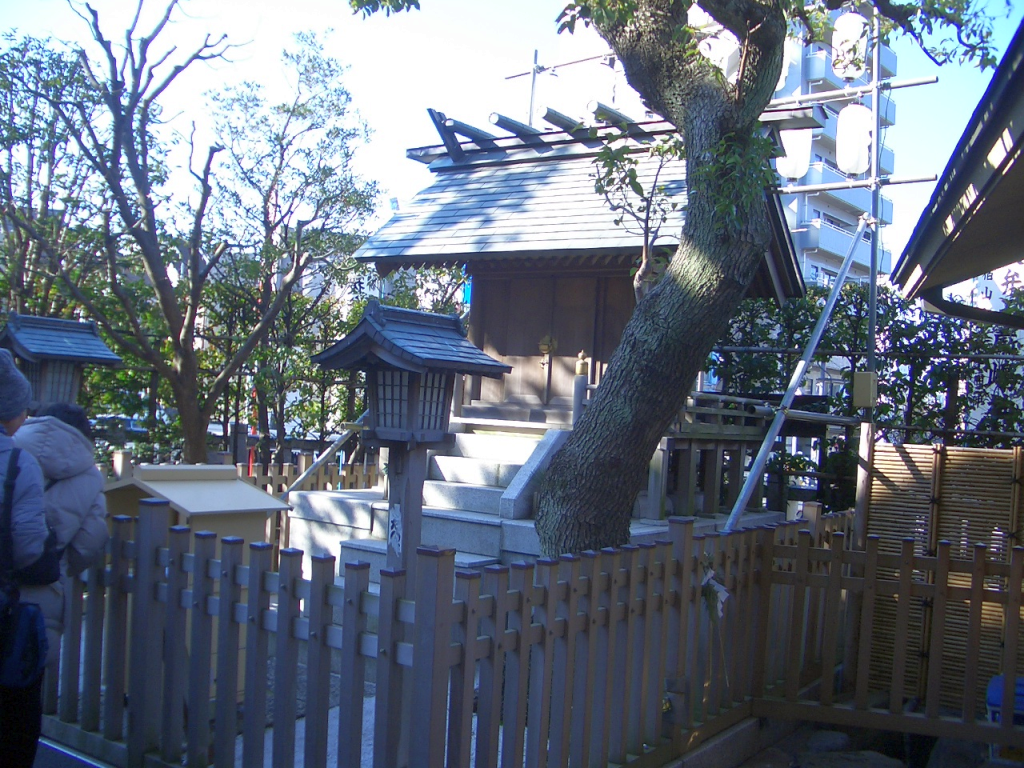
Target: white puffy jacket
(76,509)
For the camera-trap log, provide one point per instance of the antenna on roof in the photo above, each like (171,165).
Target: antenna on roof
(606,58)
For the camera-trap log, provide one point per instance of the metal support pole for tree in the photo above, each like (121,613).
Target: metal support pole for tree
(876,194)
(757,469)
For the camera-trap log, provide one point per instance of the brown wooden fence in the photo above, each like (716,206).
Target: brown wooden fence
(615,656)
(328,478)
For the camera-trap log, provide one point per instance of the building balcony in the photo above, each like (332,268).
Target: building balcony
(856,200)
(826,239)
(820,77)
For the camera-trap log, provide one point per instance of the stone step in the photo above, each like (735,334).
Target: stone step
(462,530)
(555,415)
(474,498)
(513,449)
(460,469)
(374,552)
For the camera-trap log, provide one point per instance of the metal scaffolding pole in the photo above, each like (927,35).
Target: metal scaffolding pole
(757,469)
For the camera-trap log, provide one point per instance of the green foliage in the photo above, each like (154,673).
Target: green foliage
(639,210)
(601,13)
(46,187)
(936,373)
(736,175)
(369,7)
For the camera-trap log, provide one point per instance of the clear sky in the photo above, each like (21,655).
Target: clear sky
(455,56)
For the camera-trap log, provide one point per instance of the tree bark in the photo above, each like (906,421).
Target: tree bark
(587,497)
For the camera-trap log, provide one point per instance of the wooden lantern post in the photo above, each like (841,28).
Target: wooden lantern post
(411,360)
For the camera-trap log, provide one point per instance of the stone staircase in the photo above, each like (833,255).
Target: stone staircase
(477,499)
(462,508)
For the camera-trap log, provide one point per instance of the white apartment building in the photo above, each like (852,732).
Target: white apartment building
(823,223)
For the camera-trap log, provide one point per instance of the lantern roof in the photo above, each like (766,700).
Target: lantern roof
(50,338)
(409,340)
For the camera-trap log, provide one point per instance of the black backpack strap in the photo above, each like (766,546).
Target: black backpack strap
(6,534)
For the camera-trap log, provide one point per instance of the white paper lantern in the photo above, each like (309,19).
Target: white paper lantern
(850,46)
(853,139)
(797,144)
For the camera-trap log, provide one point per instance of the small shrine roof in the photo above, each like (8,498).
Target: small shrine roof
(409,340)
(49,338)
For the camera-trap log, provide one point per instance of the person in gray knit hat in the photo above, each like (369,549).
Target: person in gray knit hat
(21,709)
(15,391)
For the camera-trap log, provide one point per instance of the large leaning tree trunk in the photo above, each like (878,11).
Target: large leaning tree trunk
(588,493)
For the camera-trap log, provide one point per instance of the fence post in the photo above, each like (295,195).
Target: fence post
(226,705)
(517,663)
(318,660)
(794,669)
(620,625)
(565,658)
(649,657)
(540,665)
(859,532)
(70,651)
(579,396)
(867,619)
(117,630)
(465,633)
(970,703)
(93,653)
(903,600)
(830,624)
(681,533)
(584,684)
(145,661)
(286,657)
(175,654)
(938,632)
(257,639)
(492,667)
(435,570)
(1011,627)
(766,563)
(387,725)
(198,735)
(353,624)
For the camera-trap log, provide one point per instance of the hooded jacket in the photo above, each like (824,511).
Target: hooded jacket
(75,508)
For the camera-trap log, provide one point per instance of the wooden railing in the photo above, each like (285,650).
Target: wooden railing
(971,604)
(614,656)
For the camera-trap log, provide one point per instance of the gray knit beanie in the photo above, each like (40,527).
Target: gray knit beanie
(15,391)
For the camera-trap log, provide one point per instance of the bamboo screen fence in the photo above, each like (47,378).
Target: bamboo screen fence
(933,493)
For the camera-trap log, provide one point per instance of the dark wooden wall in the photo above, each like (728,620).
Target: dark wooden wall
(511,312)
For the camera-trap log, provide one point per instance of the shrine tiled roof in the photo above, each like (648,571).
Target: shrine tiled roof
(530,197)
